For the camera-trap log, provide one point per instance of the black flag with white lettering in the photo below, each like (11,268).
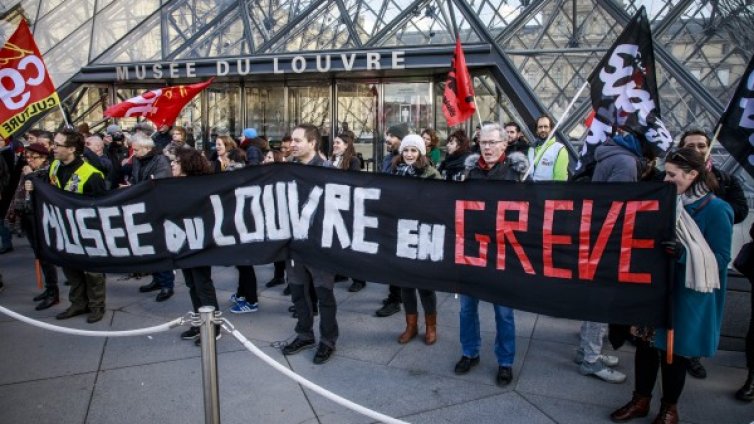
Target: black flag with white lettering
(624,91)
(737,123)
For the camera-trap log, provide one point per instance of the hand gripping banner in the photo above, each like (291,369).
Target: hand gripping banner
(580,251)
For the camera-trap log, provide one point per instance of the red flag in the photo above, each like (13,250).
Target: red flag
(26,89)
(458,98)
(161,106)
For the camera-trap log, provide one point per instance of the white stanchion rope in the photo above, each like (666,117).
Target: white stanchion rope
(94,333)
(306,383)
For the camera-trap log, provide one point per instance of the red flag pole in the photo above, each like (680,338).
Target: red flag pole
(38,273)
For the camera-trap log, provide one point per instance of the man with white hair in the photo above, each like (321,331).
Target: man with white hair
(148,164)
(492,164)
(96,147)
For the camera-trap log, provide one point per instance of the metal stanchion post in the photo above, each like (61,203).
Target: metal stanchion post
(209,366)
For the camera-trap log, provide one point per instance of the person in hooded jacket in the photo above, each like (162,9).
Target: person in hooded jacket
(149,163)
(454,167)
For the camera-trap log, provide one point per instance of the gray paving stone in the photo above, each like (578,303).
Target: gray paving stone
(53,400)
(508,407)
(571,412)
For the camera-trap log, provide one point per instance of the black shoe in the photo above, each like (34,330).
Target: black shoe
(190,334)
(504,376)
(70,313)
(146,288)
(5,250)
(164,295)
(287,291)
(696,369)
(48,302)
(340,278)
(465,364)
(274,282)
(218,335)
(746,392)
(389,309)
(42,296)
(295,314)
(297,345)
(324,352)
(66,283)
(95,315)
(357,286)
(391,299)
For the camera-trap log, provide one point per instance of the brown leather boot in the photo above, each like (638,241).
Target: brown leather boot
(412,329)
(668,414)
(637,407)
(430,337)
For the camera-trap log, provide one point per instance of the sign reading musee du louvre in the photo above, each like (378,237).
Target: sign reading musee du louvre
(580,251)
(288,64)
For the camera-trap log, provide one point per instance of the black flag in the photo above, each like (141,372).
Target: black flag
(624,91)
(737,131)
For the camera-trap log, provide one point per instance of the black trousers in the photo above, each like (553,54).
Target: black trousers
(48,270)
(750,336)
(279,270)
(648,361)
(299,278)
(394,294)
(428,298)
(247,283)
(201,288)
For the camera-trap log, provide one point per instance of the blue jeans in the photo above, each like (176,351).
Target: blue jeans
(505,341)
(5,234)
(166,279)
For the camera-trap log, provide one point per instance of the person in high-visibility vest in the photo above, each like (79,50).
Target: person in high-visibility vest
(70,172)
(549,158)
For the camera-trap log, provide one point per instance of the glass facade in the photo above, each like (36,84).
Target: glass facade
(702,48)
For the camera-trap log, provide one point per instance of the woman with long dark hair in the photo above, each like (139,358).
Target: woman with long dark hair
(454,167)
(704,228)
(344,154)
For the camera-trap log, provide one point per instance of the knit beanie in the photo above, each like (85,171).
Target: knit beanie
(413,140)
(249,133)
(399,130)
(113,129)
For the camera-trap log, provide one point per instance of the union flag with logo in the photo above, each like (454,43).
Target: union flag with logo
(26,89)
(161,106)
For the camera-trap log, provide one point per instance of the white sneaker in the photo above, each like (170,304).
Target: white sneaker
(607,360)
(599,370)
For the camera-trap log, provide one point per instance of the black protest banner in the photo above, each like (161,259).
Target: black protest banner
(737,122)
(581,251)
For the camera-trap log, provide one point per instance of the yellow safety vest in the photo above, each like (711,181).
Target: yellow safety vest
(78,179)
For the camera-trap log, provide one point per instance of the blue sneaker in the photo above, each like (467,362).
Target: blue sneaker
(233,298)
(244,307)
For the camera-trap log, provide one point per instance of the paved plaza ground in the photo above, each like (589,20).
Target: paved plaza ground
(47,377)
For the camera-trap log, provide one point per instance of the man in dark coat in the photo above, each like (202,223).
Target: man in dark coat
(10,153)
(492,164)
(149,164)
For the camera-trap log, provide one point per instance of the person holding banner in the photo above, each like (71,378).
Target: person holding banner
(704,229)
(549,158)
(492,164)
(305,150)
(414,162)
(455,166)
(70,172)
(187,163)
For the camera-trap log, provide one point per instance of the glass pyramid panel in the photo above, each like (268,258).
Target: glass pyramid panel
(271,16)
(497,14)
(143,44)
(27,8)
(679,108)
(101,4)
(553,28)
(117,20)
(68,56)
(656,9)
(428,25)
(46,6)
(61,22)
(370,17)
(225,39)
(713,43)
(189,17)
(324,30)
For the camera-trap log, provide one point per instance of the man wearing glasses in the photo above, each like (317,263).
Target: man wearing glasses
(493,164)
(70,172)
(549,157)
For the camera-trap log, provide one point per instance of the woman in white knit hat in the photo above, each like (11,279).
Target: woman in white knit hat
(413,162)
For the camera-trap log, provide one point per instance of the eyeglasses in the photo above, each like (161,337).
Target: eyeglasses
(489,143)
(59,145)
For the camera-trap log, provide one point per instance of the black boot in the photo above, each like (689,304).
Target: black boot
(52,299)
(41,296)
(746,393)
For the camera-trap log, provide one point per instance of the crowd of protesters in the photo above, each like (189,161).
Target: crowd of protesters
(710,203)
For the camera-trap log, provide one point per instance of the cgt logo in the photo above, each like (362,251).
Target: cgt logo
(16,83)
